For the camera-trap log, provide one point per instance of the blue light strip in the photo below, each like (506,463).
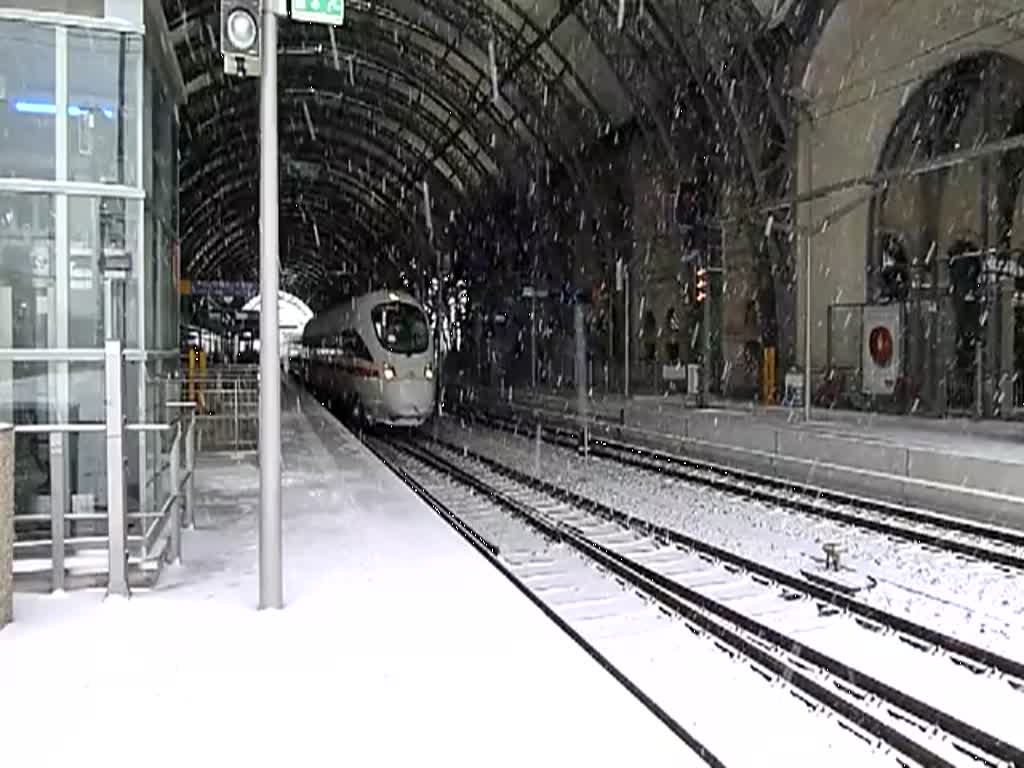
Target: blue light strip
(42,108)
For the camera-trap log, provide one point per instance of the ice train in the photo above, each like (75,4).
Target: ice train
(373,357)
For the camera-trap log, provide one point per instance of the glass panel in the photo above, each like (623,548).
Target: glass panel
(158,276)
(134,291)
(101,231)
(103,106)
(25,399)
(149,290)
(164,150)
(88,451)
(173,298)
(162,264)
(27,283)
(28,124)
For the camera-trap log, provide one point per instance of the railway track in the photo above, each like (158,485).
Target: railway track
(979,660)
(707,589)
(998,546)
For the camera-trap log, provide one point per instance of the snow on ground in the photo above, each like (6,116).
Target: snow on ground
(984,701)
(705,688)
(399,646)
(974,601)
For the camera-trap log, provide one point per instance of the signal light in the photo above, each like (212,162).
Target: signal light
(702,284)
(241,31)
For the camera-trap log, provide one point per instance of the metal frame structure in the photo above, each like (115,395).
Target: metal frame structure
(57,356)
(470,98)
(160,524)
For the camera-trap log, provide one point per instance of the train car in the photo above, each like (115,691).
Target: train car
(373,356)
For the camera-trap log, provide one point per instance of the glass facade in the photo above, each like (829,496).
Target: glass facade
(103,106)
(80,192)
(28,121)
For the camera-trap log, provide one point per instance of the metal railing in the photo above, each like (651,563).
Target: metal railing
(228,402)
(143,537)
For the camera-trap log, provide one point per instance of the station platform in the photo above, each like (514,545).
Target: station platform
(399,644)
(958,466)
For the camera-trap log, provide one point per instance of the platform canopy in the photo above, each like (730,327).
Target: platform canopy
(462,96)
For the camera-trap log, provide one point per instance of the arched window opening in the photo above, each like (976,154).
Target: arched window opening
(928,230)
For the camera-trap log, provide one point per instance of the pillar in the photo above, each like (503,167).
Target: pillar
(6,524)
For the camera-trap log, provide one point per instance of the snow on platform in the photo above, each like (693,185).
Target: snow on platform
(399,645)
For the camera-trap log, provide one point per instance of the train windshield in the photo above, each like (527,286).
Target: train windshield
(401,328)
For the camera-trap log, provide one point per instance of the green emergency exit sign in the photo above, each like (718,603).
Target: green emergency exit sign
(319,11)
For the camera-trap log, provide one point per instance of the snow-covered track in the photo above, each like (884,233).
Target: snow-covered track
(700,590)
(986,543)
(424,479)
(980,660)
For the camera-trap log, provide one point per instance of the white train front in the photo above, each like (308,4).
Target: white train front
(374,357)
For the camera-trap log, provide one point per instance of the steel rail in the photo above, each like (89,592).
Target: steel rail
(714,618)
(964,653)
(491,552)
(675,466)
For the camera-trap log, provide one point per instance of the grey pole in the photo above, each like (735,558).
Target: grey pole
(807,268)
(625,331)
(705,373)
(533,338)
(581,371)
(271,591)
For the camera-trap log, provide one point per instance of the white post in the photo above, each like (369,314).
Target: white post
(6,524)
(174,555)
(117,500)
(190,468)
(271,588)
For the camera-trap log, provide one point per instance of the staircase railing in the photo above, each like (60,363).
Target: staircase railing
(136,540)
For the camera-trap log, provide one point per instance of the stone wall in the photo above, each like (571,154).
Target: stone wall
(6,524)
(871,57)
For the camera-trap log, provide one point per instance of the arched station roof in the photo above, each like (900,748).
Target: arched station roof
(402,97)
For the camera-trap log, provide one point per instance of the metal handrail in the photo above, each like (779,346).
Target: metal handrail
(78,354)
(177,509)
(46,429)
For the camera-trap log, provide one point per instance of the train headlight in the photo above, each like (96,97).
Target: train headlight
(428,371)
(389,373)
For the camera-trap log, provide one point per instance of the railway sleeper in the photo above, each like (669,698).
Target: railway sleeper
(977,756)
(871,626)
(975,667)
(915,642)
(875,742)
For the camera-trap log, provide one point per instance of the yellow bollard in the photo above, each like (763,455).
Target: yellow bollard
(201,401)
(768,377)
